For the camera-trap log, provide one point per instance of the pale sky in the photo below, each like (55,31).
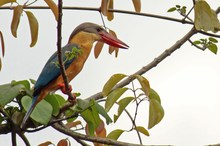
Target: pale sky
(188,81)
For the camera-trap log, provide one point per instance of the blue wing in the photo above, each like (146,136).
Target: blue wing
(51,69)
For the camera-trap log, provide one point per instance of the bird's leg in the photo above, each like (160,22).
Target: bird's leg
(66,91)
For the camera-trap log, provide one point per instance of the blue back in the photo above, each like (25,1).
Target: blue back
(51,69)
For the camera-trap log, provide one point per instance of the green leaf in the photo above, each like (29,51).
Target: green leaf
(3,2)
(205,17)
(145,85)
(153,95)
(102,112)
(32,81)
(69,113)
(213,48)
(83,104)
(42,113)
(213,40)
(52,99)
(91,116)
(25,83)
(183,10)
(197,42)
(172,9)
(142,130)
(60,100)
(8,92)
(115,134)
(122,105)
(114,79)
(156,113)
(178,6)
(113,97)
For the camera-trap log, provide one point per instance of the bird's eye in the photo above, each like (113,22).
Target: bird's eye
(99,29)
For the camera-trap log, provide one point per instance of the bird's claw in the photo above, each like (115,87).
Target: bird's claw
(64,89)
(72,99)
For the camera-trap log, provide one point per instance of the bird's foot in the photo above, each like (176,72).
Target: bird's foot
(72,99)
(64,89)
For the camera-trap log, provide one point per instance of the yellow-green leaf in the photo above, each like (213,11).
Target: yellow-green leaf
(137,5)
(113,97)
(156,113)
(104,7)
(213,40)
(145,85)
(3,2)
(114,79)
(3,44)
(213,48)
(115,134)
(205,18)
(142,130)
(16,19)
(33,23)
(110,15)
(103,112)
(123,103)
(98,49)
(154,95)
(53,7)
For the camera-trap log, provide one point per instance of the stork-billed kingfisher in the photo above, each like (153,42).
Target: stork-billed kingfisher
(79,47)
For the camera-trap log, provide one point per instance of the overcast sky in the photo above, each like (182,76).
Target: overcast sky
(188,81)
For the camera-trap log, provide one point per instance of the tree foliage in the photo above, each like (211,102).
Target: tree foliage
(120,91)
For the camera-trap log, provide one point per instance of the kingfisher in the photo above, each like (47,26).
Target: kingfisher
(74,55)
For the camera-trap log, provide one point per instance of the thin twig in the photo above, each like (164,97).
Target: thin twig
(13,138)
(200,48)
(209,34)
(187,15)
(24,138)
(135,114)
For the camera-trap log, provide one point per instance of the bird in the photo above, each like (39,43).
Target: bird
(74,55)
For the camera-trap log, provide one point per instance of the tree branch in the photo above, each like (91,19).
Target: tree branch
(152,64)
(110,10)
(90,138)
(59,47)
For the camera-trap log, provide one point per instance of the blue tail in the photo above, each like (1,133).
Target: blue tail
(30,110)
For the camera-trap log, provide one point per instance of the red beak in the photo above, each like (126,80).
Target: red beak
(112,41)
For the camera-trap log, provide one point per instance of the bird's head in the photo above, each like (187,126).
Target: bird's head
(95,32)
